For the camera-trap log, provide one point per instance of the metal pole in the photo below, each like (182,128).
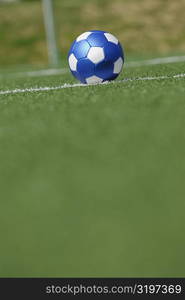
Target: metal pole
(50,32)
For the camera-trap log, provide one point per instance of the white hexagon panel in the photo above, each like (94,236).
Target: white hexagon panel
(111,38)
(94,80)
(73,62)
(96,54)
(83,36)
(118,66)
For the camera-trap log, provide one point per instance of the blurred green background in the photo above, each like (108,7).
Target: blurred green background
(145,27)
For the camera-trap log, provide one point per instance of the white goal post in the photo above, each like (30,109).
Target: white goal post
(48,15)
(50,32)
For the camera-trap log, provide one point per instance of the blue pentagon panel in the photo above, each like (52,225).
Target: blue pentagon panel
(121,51)
(78,76)
(81,49)
(86,68)
(114,76)
(104,70)
(97,39)
(113,52)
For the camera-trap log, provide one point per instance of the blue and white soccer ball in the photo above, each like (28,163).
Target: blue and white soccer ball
(96,56)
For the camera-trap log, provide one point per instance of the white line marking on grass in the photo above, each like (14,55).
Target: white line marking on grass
(155,61)
(52,72)
(46,72)
(66,85)
(36,73)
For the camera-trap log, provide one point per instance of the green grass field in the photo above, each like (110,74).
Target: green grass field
(92,178)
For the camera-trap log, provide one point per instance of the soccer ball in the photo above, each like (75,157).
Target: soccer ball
(96,56)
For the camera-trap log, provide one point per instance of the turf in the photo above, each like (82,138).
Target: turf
(92,179)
